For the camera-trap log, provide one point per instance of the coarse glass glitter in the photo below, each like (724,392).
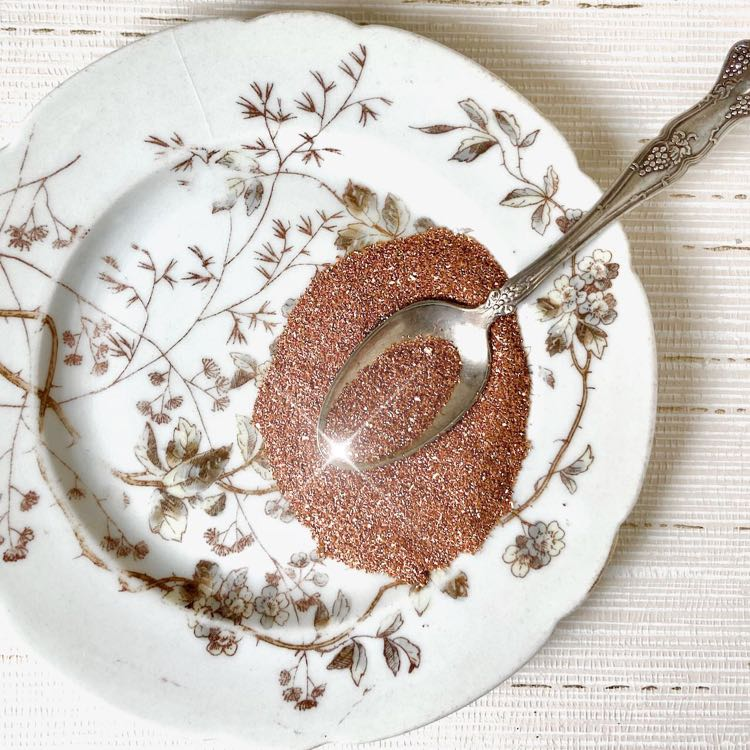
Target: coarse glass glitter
(417,514)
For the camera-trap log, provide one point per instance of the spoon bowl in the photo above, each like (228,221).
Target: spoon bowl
(464,327)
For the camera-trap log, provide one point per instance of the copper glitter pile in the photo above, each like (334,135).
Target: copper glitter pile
(395,399)
(410,517)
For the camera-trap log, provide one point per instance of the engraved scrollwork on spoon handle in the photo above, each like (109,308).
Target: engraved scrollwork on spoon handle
(682,142)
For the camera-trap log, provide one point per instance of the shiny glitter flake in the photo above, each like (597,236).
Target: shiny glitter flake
(394,400)
(417,514)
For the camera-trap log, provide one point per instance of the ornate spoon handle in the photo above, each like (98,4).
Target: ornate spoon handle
(683,141)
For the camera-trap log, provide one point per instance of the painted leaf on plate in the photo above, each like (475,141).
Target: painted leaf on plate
(169,516)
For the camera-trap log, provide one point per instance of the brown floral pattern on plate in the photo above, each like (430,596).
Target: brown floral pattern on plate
(191,479)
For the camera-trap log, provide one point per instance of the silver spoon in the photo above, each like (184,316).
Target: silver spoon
(682,142)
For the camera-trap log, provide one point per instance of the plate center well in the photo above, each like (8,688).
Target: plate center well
(168,312)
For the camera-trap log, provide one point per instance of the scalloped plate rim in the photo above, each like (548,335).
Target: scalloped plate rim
(490,682)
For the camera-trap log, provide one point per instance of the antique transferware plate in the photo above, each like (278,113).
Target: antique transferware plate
(161,212)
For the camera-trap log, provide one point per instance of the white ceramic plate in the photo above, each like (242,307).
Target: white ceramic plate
(153,212)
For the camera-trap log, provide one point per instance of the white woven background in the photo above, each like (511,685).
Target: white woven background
(659,655)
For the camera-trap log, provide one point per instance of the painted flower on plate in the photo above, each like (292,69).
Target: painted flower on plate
(568,292)
(299,559)
(520,557)
(599,308)
(545,541)
(598,270)
(272,607)
(221,641)
(238,604)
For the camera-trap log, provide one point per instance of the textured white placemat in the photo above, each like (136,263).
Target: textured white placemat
(659,655)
